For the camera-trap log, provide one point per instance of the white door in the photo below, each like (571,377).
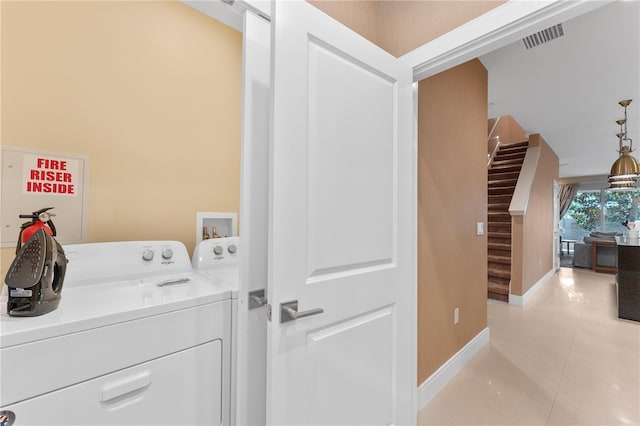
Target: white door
(342,204)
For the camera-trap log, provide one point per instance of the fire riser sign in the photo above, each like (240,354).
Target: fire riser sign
(50,175)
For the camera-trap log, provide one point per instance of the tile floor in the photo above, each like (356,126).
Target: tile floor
(563,359)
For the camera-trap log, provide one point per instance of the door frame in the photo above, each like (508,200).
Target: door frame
(495,29)
(556,249)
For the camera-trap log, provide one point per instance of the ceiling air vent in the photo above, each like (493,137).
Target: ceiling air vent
(544,36)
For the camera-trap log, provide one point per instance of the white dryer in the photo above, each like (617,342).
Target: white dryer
(139,338)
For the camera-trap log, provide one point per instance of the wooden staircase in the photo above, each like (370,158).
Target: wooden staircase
(502,179)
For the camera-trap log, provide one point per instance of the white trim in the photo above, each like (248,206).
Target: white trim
(526,298)
(414,245)
(430,387)
(497,28)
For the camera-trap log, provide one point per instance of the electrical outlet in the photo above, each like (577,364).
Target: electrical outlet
(456,316)
(480,228)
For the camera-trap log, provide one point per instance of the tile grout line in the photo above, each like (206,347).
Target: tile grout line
(564,367)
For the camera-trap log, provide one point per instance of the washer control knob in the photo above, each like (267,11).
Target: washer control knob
(232,248)
(147,255)
(167,253)
(218,250)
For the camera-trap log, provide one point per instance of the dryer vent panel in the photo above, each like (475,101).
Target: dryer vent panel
(543,36)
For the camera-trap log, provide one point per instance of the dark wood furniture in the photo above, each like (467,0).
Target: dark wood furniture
(628,281)
(594,257)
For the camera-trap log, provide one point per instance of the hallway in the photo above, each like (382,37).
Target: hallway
(564,359)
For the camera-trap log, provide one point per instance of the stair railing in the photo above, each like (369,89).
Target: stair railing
(522,192)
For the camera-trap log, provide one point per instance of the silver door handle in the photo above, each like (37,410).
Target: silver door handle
(289,311)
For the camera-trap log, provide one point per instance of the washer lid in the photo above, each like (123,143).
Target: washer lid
(86,307)
(230,276)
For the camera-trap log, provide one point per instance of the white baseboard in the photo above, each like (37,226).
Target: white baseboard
(434,383)
(523,300)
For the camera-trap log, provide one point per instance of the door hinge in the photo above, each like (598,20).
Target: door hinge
(268,312)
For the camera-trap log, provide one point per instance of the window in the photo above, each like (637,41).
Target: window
(620,207)
(600,210)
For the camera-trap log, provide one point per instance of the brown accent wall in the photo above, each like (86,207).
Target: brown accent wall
(150,91)
(532,253)
(361,16)
(507,131)
(452,198)
(407,25)
(400,26)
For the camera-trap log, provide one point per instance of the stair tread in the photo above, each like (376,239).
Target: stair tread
(498,288)
(500,168)
(504,175)
(506,163)
(499,273)
(503,182)
(498,206)
(499,259)
(523,144)
(493,234)
(502,190)
(505,156)
(498,280)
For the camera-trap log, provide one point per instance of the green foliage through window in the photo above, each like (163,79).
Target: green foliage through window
(619,208)
(585,209)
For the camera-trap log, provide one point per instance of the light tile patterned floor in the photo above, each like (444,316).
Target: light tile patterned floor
(563,359)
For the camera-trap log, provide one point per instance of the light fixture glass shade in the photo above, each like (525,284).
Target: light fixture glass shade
(621,185)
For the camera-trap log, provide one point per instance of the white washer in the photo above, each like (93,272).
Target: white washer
(139,338)
(218,259)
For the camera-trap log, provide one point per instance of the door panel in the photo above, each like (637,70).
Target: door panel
(343,145)
(340,226)
(362,341)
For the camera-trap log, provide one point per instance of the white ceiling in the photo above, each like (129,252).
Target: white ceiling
(568,89)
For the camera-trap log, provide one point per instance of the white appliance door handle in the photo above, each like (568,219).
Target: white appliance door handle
(124,386)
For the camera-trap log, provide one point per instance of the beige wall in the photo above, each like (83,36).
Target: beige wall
(452,198)
(149,91)
(399,26)
(532,253)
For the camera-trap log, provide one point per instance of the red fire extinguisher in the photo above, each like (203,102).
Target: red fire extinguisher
(40,219)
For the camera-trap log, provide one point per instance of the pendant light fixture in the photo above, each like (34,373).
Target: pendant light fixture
(626,169)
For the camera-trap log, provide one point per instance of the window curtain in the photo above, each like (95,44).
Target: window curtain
(567,193)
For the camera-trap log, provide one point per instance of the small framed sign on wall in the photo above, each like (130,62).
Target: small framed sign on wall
(32,180)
